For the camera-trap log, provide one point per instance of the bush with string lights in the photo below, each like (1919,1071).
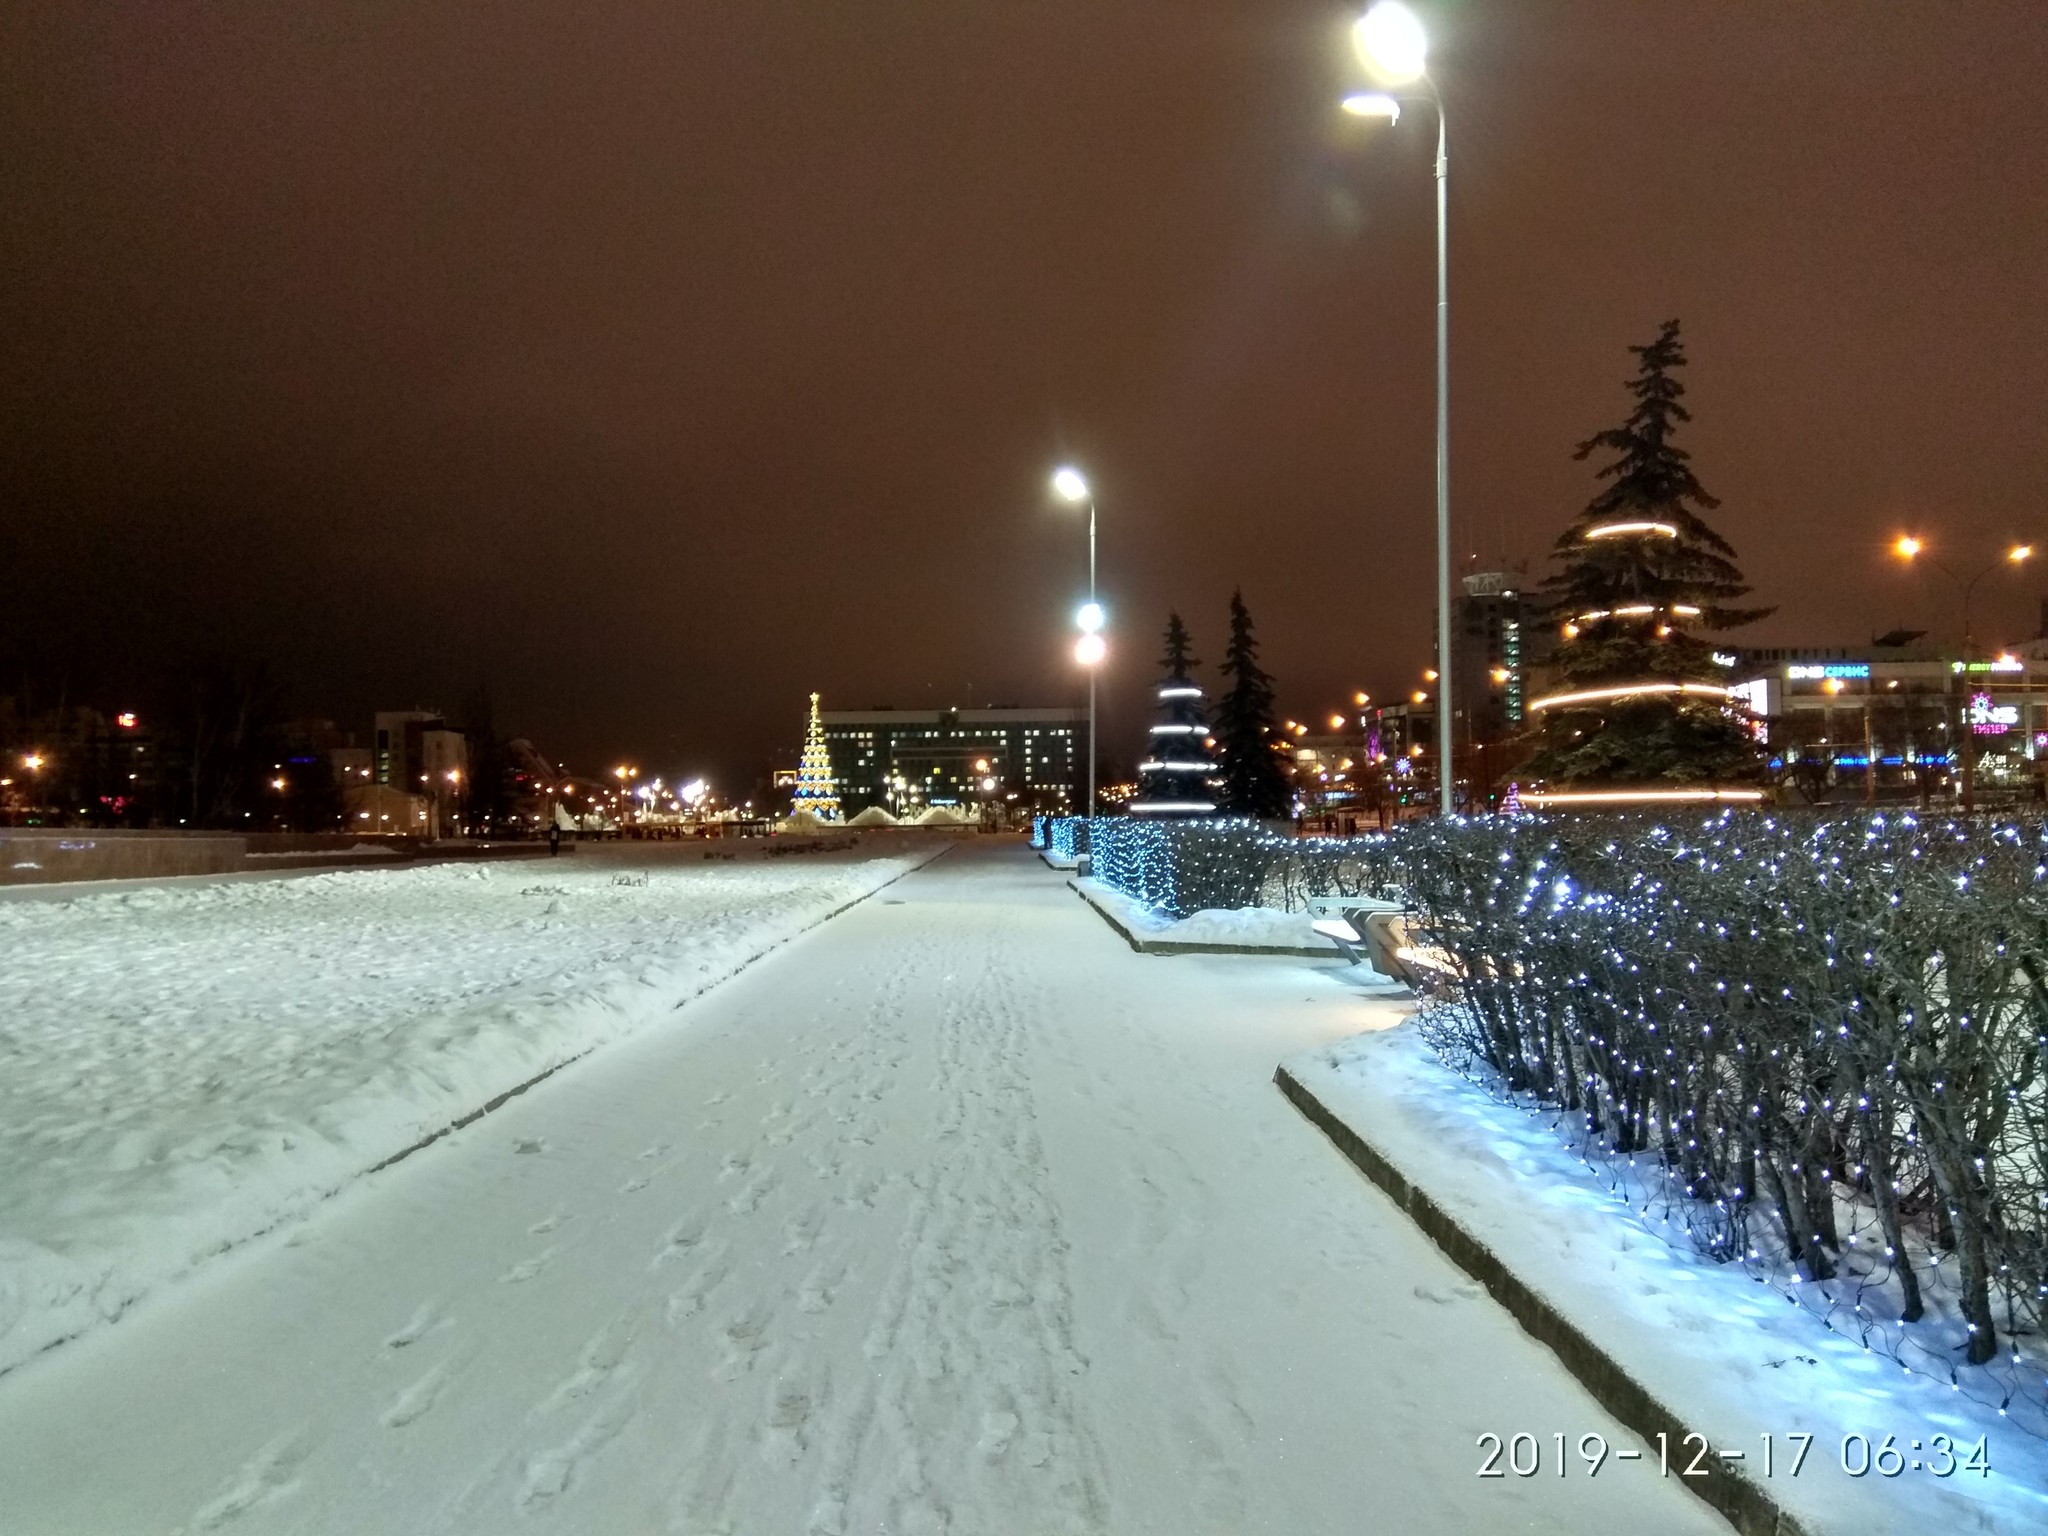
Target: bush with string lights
(1815,1047)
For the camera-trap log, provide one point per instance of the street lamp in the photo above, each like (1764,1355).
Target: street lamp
(1395,50)
(1071,486)
(1909,549)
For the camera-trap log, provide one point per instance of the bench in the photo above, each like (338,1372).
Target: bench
(1364,928)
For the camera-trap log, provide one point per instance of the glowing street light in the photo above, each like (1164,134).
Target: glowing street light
(1372,104)
(33,761)
(1071,486)
(1394,48)
(1391,43)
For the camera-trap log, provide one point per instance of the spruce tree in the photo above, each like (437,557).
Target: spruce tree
(1178,775)
(1254,779)
(1639,571)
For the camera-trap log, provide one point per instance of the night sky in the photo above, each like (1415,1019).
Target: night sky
(658,364)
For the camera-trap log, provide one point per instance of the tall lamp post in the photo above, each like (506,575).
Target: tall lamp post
(1910,549)
(1071,486)
(1395,50)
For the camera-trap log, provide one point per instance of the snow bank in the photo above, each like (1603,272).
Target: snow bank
(873,816)
(183,1067)
(1726,1354)
(1243,928)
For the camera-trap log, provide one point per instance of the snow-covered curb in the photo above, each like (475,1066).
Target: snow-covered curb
(1245,931)
(1664,1339)
(187,1068)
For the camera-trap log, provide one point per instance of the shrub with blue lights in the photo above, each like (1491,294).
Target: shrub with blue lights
(1818,1047)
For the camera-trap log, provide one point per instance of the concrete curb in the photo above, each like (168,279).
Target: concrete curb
(1747,1505)
(1146,946)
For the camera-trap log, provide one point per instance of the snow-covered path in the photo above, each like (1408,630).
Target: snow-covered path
(952,1215)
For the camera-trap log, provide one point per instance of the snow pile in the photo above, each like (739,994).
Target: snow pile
(187,1066)
(1238,928)
(938,816)
(1726,1354)
(804,822)
(873,816)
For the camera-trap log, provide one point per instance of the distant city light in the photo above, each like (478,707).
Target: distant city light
(126,721)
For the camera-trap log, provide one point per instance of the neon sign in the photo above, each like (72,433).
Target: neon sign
(1806,670)
(1989,719)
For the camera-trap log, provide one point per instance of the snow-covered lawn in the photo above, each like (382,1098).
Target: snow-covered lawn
(182,1067)
(1725,1353)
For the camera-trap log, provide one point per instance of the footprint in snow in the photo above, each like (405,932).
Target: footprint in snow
(783,1441)
(423,1320)
(526,1269)
(416,1399)
(1445,1295)
(633,1186)
(547,1223)
(264,1479)
(527,1145)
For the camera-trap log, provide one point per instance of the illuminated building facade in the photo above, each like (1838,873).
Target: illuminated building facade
(907,759)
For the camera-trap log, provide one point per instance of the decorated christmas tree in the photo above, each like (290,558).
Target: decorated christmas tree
(815,790)
(1178,775)
(1254,772)
(1638,698)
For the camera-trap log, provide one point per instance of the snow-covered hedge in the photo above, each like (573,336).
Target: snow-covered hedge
(1184,867)
(1816,1046)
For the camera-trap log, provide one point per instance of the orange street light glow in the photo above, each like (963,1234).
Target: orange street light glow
(1906,546)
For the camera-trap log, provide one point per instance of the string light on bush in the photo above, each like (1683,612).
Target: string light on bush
(1729,1021)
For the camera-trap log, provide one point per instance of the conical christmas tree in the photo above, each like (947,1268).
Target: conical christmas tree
(1177,777)
(1639,699)
(816,791)
(1254,773)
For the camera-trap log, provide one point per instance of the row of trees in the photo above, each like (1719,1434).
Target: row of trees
(1634,695)
(1234,765)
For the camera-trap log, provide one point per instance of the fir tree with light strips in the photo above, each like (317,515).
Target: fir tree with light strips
(1639,698)
(1178,776)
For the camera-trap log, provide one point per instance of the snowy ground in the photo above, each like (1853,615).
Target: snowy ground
(951,1215)
(184,1066)
(1728,1355)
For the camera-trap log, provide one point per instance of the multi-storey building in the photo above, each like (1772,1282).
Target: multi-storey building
(907,759)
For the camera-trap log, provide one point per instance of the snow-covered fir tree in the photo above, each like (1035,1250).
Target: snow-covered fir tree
(1247,737)
(1178,775)
(1638,696)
